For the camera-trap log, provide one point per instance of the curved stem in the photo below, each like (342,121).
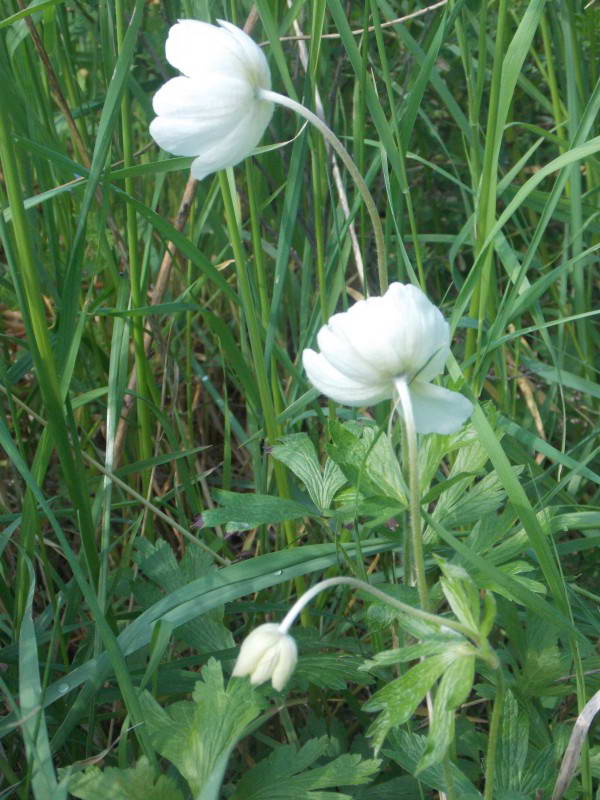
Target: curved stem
(287,622)
(282,100)
(401,386)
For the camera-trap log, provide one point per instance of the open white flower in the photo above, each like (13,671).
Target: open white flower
(367,350)
(214,109)
(268,652)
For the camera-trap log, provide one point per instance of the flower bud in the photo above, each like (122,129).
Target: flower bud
(267,653)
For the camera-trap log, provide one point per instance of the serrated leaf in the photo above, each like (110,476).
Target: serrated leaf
(513,745)
(398,700)
(515,569)
(298,453)
(544,663)
(366,457)
(405,787)
(330,671)
(186,733)
(251,510)
(333,480)
(138,783)
(285,774)
(433,646)
(453,690)
(407,749)
(540,771)
(206,633)
(461,593)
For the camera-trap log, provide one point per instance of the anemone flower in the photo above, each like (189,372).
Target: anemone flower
(384,346)
(214,110)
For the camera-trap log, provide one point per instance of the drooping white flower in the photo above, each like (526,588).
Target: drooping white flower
(213,110)
(378,342)
(268,652)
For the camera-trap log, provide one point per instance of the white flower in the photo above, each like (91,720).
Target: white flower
(366,350)
(213,110)
(266,653)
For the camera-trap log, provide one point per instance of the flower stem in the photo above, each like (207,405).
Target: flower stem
(362,187)
(287,622)
(490,757)
(414,490)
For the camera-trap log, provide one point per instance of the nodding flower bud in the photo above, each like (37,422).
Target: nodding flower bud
(267,653)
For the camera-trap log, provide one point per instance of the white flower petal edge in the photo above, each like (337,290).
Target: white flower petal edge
(333,383)
(438,410)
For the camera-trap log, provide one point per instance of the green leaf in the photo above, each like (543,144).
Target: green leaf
(26,12)
(138,783)
(33,725)
(144,311)
(250,510)
(513,745)
(544,662)
(462,500)
(330,671)
(407,749)
(433,646)
(366,456)
(206,633)
(461,593)
(284,775)
(298,453)
(197,736)
(453,690)
(399,699)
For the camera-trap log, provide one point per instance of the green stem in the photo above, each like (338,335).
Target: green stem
(287,622)
(414,490)
(492,747)
(362,187)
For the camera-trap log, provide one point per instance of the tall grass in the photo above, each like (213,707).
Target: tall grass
(151,361)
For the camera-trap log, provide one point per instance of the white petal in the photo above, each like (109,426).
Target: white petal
(438,410)
(288,656)
(339,351)
(197,48)
(424,333)
(266,667)
(417,331)
(254,58)
(211,102)
(239,142)
(192,119)
(254,646)
(332,383)
(368,326)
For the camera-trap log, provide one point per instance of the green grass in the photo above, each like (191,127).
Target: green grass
(474,126)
